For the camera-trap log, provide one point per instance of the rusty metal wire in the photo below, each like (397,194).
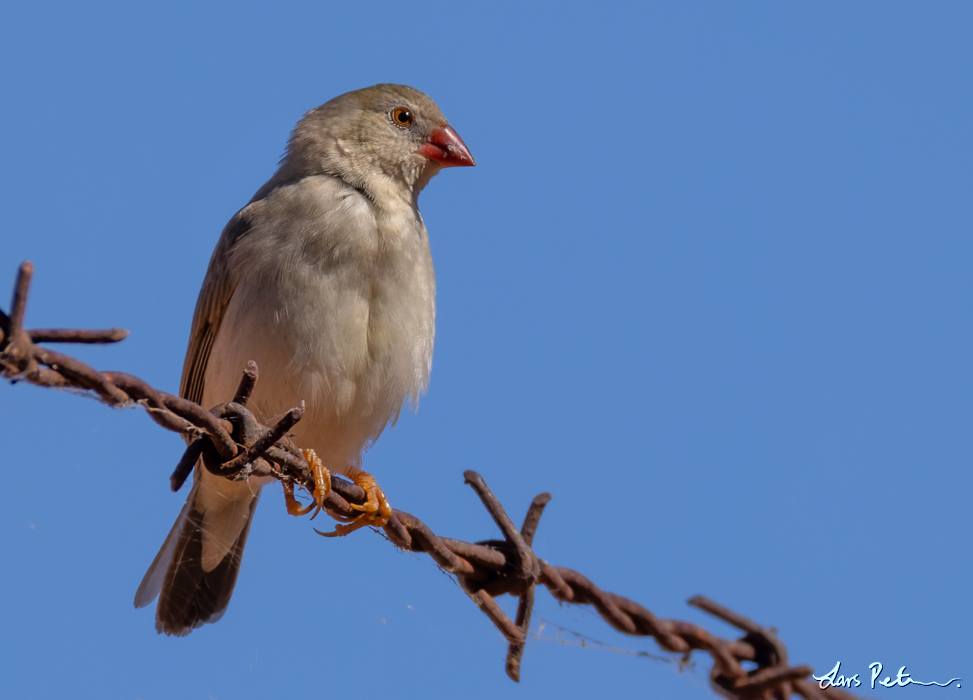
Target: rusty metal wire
(234,444)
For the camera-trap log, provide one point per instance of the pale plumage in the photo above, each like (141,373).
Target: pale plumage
(325,279)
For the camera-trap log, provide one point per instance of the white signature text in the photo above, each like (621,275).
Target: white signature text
(902,679)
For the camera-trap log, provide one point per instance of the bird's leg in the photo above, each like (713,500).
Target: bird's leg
(375,512)
(322,487)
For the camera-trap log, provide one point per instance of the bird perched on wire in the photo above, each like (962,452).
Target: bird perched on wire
(324,279)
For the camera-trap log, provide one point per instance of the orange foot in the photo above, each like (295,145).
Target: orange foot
(322,488)
(374,513)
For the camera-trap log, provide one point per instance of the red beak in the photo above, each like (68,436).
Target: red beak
(446,148)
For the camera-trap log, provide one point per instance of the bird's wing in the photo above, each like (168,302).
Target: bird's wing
(214,297)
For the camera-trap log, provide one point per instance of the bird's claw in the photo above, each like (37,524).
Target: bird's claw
(322,488)
(375,512)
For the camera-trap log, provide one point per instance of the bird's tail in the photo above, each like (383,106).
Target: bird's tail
(196,569)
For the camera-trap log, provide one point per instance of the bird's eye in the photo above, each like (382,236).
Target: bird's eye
(402,116)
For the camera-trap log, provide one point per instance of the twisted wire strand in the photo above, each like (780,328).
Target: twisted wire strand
(231,442)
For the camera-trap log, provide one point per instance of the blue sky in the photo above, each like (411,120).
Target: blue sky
(708,285)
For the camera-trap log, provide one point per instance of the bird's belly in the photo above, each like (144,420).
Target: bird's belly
(352,348)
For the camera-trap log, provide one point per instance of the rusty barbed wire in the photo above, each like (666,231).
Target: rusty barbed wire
(229,441)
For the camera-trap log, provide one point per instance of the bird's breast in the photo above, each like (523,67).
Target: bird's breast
(337,305)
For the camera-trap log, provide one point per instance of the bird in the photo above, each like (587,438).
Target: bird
(325,280)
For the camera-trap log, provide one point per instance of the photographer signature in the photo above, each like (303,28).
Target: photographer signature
(902,679)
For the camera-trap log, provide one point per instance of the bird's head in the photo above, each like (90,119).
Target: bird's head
(384,136)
